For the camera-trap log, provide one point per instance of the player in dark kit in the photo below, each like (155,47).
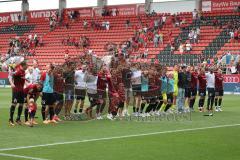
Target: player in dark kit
(218,90)
(102,81)
(17,80)
(188,87)
(58,87)
(194,81)
(202,89)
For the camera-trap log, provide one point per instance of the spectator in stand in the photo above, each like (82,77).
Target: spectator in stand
(164,19)
(145,29)
(127,23)
(161,38)
(114,12)
(36,41)
(107,25)
(195,36)
(156,40)
(198,30)
(188,47)
(85,24)
(153,13)
(156,22)
(169,35)
(191,35)
(177,21)
(236,33)
(194,14)
(19,18)
(215,23)
(66,55)
(181,48)
(183,21)
(145,53)
(52,23)
(231,33)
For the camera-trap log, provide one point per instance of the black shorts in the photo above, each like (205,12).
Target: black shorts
(93,99)
(18,97)
(187,92)
(160,97)
(25,98)
(211,92)
(136,89)
(58,97)
(102,94)
(69,95)
(170,98)
(121,105)
(219,92)
(48,99)
(202,92)
(80,94)
(193,92)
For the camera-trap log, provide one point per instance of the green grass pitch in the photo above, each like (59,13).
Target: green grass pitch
(203,138)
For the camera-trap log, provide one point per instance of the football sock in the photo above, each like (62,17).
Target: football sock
(163,107)
(20,108)
(216,102)
(26,114)
(137,109)
(193,102)
(51,112)
(208,103)
(159,105)
(149,108)
(142,107)
(212,102)
(219,102)
(167,107)
(155,106)
(80,110)
(134,109)
(43,113)
(12,109)
(98,109)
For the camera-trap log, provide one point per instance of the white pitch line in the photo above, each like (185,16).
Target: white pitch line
(20,157)
(118,137)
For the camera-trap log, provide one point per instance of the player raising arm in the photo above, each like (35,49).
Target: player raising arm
(17,80)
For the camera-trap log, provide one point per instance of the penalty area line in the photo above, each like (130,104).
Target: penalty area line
(119,137)
(20,157)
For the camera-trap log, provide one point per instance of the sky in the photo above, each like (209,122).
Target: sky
(53,4)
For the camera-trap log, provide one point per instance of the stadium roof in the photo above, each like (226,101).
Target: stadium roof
(15,5)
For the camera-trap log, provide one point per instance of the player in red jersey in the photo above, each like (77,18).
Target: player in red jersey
(118,86)
(218,90)
(17,80)
(58,87)
(101,89)
(194,81)
(202,89)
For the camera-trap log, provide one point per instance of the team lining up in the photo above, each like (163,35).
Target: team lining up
(149,84)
